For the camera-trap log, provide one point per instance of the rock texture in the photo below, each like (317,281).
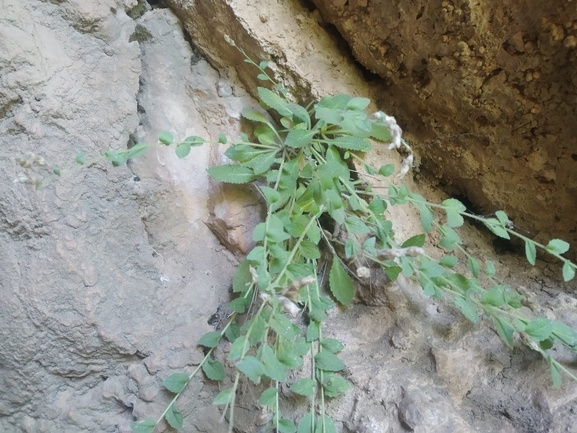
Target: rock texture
(110,276)
(487,91)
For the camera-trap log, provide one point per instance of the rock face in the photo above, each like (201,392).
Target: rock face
(110,276)
(487,91)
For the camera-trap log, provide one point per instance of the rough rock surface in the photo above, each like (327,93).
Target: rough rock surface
(110,276)
(488,92)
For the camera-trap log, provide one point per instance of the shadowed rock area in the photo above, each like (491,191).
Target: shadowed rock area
(487,91)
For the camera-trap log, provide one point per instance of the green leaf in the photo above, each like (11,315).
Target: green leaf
(210,339)
(453,209)
(237,348)
(378,206)
(490,269)
(283,326)
(255,116)
(340,283)
(300,115)
(429,289)
(299,137)
(351,143)
(332,345)
(427,219)
(304,387)
(56,169)
(116,158)
(259,232)
(145,426)
(356,226)
(306,424)
(568,271)
(555,373)
(268,397)
(473,266)
(224,397)
(335,164)
(468,309)
(165,137)
(539,329)
(358,104)
(274,101)
(557,246)
(242,152)
(285,425)
(288,355)
(263,277)
(454,204)
(242,277)
(495,226)
(450,238)
(393,272)
(271,195)
(230,173)
(262,162)
(448,261)
(257,254)
(80,158)
(232,332)
(273,368)
(222,138)
(325,425)
(176,382)
(262,77)
(564,333)
(505,331)
(407,266)
(380,132)
(173,417)
(387,170)
(430,268)
(213,369)
(135,151)
(415,241)
(494,297)
(339,101)
(182,150)
(251,368)
(309,250)
(313,331)
(276,231)
(328,361)
(454,218)
(546,344)
(530,251)
(194,141)
(502,217)
(335,385)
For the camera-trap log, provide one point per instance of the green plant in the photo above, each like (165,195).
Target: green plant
(305,167)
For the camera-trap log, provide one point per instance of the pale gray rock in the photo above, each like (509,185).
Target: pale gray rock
(109,276)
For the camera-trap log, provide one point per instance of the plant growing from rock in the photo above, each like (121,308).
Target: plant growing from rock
(322,215)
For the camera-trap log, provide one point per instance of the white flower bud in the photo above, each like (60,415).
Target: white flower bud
(406,165)
(363,272)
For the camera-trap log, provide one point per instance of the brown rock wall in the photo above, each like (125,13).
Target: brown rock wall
(488,92)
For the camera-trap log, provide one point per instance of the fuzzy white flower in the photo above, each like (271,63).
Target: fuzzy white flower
(363,272)
(406,165)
